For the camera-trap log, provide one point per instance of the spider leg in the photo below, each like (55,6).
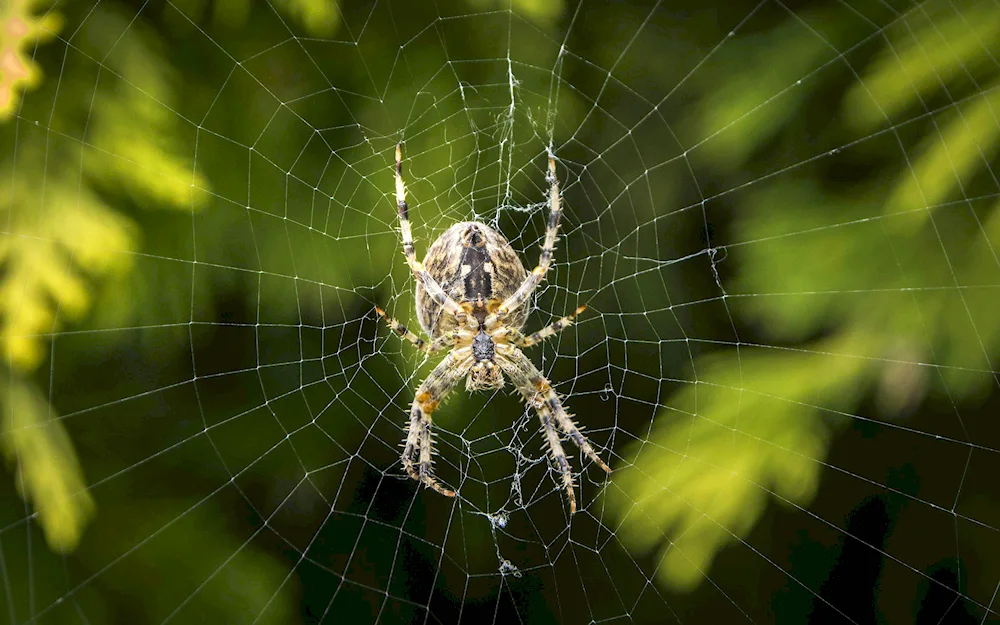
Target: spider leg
(430,285)
(549,330)
(403,332)
(538,392)
(524,291)
(445,340)
(558,455)
(418,450)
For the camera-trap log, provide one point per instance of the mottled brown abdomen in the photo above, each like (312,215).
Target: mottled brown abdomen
(474,265)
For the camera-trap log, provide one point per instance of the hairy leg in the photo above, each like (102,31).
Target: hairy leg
(550,330)
(418,450)
(524,291)
(402,331)
(445,340)
(419,272)
(538,392)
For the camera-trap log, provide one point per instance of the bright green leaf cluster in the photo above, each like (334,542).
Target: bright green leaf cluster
(19,31)
(823,260)
(950,158)
(48,472)
(46,264)
(750,426)
(63,234)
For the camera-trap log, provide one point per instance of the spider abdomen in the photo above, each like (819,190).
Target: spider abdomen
(475,266)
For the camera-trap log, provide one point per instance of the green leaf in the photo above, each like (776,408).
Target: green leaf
(744,110)
(48,473)
(931,48)
(320,17)
(751,428)
(950,158)
(134,143)
(48,255)
(20,32)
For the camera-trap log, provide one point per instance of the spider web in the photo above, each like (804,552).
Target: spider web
(241,428)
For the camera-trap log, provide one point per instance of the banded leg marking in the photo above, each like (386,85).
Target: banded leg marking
(526,288)
(402,331)
(551,330)
(559,458)
(538,392)
(418,450)
(419,272)
(445,340)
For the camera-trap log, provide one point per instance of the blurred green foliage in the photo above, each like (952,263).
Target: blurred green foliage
(185,212)
(21,30)
(543,12)
(320,17)
(816,277)
(48,473)
(705,473)
(66,233)
(62,233)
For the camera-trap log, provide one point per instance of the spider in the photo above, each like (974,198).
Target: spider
(471,296)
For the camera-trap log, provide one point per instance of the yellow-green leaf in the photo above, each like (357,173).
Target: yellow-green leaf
(750,427)
(320,17)
(933,46)
(49,476)
(951,157)
(20,31)
(43,254)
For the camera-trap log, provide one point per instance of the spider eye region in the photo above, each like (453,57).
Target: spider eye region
(483,347)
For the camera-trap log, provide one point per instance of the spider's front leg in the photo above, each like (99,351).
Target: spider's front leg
(524,291)
(418,451)
(513,335)
(538,392)
(406,232)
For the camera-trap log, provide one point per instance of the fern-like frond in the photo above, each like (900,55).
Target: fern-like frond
(58,242)
(750,429)
(20,29)
(48,473)
(829,259)
(928,50)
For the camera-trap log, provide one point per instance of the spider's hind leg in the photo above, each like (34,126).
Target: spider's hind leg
(418,449)
(558,457)
(565,422)
(538,392)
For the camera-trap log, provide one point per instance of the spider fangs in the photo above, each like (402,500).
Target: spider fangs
(471,296)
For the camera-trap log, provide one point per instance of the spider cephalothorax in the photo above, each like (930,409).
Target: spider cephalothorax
(471,296)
